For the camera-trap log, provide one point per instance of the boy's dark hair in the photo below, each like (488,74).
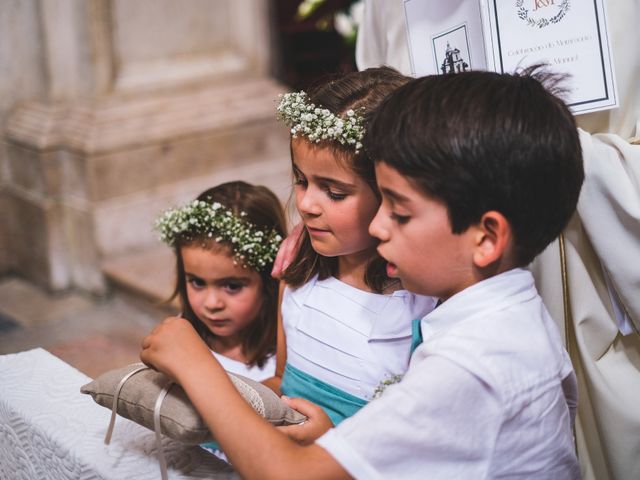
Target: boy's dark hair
(481,141)
(362,92)
(264,211)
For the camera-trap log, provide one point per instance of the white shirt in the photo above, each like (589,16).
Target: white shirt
(482,398)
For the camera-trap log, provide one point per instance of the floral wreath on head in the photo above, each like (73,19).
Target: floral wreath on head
(317,123)
(253,247)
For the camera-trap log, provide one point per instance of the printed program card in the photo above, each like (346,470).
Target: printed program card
(503,35)
(444,36)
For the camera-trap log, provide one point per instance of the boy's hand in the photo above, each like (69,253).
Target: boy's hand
(288,251)
(318,422)
(172,346)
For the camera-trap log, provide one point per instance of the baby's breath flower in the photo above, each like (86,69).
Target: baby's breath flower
(254,248)
(390,380)
(317,123)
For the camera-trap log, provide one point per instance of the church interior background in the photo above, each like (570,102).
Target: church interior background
(110,112)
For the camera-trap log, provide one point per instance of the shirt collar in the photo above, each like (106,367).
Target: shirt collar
(492,294)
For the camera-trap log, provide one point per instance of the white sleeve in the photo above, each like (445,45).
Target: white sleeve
(609,208)
(570,391)
(370,49)
(440,419)
(382,36)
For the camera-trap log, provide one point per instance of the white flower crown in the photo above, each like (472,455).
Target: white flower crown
(317,123)
(251,246)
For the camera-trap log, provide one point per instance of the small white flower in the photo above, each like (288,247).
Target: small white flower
(357,13)
(344,24)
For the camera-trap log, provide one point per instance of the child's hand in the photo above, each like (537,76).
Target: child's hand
(318,422)
(173,345)
(288,250)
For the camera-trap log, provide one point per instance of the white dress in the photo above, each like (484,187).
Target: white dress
(346,340)
(256,373)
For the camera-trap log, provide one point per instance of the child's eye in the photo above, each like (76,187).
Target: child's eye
(336,197)
(298,179)
(401,219)
(233,287)
(196,282)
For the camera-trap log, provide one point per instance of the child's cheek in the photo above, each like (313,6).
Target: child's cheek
(250,304)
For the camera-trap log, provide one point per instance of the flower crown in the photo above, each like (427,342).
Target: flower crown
(317,123)
(252,247)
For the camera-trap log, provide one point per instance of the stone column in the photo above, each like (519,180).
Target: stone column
(21,77)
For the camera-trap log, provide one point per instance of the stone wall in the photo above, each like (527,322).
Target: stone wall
(114,110)
(20,78)
(4,217)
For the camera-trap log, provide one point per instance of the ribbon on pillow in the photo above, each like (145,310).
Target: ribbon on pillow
(156,417)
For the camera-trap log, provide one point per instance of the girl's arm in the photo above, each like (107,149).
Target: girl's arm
(281,349)
(256,449)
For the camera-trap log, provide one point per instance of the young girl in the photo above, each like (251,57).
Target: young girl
(225,242)
(346,325)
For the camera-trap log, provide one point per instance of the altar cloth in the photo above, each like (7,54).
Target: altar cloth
(49,430)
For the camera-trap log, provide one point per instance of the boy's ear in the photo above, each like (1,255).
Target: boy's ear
(493,239)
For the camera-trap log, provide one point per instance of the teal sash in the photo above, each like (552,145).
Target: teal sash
(335,402)
(211,445)
(416,335)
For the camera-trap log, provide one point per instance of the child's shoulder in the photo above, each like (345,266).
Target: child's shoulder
(253,372)
(340,300)
(509,340)
(330,294)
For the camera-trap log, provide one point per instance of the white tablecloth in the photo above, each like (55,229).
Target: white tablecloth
(49,430)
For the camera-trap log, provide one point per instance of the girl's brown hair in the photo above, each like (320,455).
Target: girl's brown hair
(362,92)
(264,211)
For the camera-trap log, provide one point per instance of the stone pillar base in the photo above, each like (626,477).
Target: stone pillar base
(86,179)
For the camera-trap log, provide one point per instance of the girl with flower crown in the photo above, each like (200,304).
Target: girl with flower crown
(346,326)
(225,243)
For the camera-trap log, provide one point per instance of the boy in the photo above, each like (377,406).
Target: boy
(478,173)
(595,301)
